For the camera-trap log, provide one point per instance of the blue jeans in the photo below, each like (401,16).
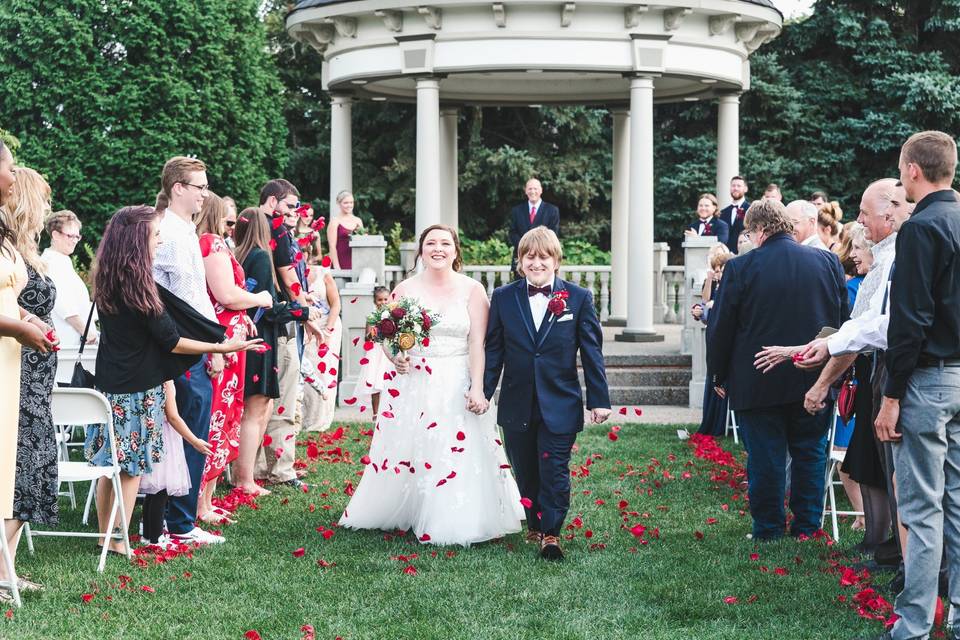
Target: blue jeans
(194,401)
(768,435)
(927,461)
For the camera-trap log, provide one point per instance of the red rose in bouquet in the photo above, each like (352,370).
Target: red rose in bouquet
(426,320)
(398,312)
(387,328)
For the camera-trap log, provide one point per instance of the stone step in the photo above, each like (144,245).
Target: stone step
(646,376)
(639,396)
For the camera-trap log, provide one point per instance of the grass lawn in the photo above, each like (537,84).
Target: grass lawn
(611,585)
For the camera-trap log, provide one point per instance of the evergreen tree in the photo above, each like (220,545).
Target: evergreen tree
(102,92)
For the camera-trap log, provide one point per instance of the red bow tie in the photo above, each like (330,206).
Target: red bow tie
(532,290)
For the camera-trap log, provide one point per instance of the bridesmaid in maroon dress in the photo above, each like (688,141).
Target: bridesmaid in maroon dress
(226,286)
(340,229)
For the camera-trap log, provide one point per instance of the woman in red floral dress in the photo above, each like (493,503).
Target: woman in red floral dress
(226,286)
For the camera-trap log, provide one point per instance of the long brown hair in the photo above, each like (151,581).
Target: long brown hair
(458,260)
(123,275)
(253,231)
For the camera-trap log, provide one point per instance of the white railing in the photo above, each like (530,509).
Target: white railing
(672,281)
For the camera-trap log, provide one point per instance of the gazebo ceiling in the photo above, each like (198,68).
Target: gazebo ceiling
(524,52)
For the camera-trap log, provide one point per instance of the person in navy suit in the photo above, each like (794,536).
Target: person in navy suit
(532,213)
(537,326)
(779,293)
(734,212)
(708,224)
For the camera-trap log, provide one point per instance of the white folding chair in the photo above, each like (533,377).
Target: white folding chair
(834,460)
(732,425)
(72,406)
(13,582)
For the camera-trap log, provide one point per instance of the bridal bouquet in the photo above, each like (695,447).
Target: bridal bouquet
(402,325)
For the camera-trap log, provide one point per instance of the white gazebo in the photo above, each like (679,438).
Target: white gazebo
(613,53)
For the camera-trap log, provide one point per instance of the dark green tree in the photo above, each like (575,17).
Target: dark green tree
(102,92)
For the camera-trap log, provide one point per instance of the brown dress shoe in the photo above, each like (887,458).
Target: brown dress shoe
(550,548)
(533,537)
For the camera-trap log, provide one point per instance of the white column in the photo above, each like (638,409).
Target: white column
(619,219)
(449,189)
(428,153)
(728,144)
(341,149)
(640,224)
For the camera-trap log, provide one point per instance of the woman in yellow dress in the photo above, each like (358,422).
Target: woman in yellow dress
(13,333)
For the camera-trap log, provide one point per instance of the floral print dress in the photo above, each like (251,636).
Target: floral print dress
(138,430)
(35,488)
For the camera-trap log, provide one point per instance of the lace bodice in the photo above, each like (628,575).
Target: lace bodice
(448,338)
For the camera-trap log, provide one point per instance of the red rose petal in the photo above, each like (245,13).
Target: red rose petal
(252,635)
(613,437)
(326,262)
(367,346)
(526,502)
(148,589)
(349,401)
(623,411)
(87,597)
(364,361)
(267,439)
(425,537)
(410,570)
(461,435)
(393,392)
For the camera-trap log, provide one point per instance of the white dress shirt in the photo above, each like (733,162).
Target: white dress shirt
(703,225)
(734,212)
(815,242)
(868,331)
(73,298)
(179,264)
(535,206)
(538,304)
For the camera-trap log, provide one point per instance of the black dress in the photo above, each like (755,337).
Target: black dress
(35,489)
(261,376)
(862,461)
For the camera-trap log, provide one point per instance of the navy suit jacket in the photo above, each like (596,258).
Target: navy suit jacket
(544,362)
(547,216)
(734,218)
(779,294)
(718,228)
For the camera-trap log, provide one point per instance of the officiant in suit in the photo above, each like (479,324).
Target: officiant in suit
(536,327)
(780,293)
(532,213)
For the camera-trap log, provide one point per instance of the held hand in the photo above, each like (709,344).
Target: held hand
(402,363)
(697,311)
(215,363)
(93,337)
(476,401)
(721,392)
(770,357)
(814,355)
(885,425)
(30,335)
(690,233)
(599,416)
(202,446)
(813,400)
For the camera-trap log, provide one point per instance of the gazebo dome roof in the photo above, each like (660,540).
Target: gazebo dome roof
(527,52)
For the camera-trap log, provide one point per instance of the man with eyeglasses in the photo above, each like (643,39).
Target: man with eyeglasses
(280,199)
(178,266)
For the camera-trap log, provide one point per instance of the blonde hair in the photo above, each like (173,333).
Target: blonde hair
(176,169)
(713,200)
(829,216)
(343,195)
(542,241)
(25,211)
(212,214)
(718,256)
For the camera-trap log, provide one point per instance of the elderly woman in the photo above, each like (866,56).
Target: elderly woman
(73,305)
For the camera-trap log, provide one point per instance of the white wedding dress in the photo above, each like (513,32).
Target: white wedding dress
(435,467)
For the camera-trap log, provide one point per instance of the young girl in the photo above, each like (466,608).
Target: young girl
(170,476)
(370,380)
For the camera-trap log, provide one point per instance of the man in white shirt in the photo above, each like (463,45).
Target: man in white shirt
(178,267)
(73,304)
(804,218)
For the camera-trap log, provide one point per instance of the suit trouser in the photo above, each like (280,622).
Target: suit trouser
(275,460)
(541,465)
(927,460)
(769,434)
(194,401)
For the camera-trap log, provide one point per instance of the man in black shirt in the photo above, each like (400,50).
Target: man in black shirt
(920,410)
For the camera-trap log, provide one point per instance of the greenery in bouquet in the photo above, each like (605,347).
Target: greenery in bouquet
(401,325)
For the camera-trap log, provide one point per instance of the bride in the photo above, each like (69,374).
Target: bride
(437,464)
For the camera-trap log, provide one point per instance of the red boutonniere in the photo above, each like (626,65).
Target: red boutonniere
(558,303)
(707,229)
(741,212)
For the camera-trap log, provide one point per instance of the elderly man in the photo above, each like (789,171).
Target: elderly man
(532,213)
(920,410)
(883,208)
(754,308)
(803,215)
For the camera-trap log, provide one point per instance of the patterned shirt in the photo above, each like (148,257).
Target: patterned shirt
(179,265)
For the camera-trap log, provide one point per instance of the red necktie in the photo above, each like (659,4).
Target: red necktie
(533,214)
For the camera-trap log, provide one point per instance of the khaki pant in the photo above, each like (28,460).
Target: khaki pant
(275,461)
(319,397)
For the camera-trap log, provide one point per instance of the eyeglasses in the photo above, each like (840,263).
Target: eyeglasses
(203,188)
(290,206)
(72,236)
(230,223)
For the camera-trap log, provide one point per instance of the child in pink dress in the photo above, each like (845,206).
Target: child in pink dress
(370,380)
